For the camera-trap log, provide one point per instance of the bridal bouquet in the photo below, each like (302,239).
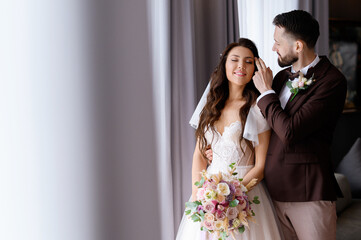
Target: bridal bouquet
(222,205)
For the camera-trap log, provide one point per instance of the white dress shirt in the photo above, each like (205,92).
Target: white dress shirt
(285,92)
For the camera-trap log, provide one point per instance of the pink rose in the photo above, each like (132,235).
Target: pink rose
(232,213)
(208,225)
(301,83)
(212,186)
(236,183)
(200,194)
(239,192)
(220,215)
(209,207)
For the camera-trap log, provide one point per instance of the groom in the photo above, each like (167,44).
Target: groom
(298,172)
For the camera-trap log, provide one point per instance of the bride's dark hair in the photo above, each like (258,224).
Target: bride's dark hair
(219,93)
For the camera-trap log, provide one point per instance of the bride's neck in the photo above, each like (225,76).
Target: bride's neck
(235,93)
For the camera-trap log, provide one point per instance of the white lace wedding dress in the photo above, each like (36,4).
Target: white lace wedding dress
(226,150)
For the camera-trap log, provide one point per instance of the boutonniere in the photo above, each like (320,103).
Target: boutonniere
(301,84)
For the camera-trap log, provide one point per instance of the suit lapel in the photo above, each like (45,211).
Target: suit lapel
(278,85)
(320,70)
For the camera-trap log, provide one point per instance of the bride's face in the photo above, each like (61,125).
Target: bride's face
(240,65)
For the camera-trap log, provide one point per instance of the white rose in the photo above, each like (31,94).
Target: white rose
(218,225)
(223,189)
(295,84)
(210,194)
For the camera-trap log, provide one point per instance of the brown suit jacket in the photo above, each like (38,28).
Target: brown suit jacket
(298,165)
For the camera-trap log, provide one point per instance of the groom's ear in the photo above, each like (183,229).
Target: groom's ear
(299,46)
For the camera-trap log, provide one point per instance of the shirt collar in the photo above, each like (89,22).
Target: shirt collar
(305,69)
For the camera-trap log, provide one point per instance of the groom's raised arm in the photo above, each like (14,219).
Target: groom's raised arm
(321,107)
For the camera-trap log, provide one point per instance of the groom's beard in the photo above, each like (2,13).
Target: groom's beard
(287,60)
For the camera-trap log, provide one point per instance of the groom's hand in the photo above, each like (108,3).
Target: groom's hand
(263,77)
(209,154)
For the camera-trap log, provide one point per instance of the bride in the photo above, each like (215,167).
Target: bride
(233,126)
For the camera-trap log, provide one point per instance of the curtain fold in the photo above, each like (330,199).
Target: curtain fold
(173,93)
(319,10)
(216,25)
(186,40)
(159,14)
(232,25)
(182,103)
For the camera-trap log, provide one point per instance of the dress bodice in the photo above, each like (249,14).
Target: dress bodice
(227,149)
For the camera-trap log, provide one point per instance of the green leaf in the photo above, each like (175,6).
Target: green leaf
(201,182)
(253,214)
(195,218)
(198,203)
(234,203)
(191,205)
(235,173)
(202,228)
(241,229)
(197,184)
(201,215)
(188,212)
(255,200)
(240,179)
(289,84)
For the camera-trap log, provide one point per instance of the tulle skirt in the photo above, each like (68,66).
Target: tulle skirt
(266,227)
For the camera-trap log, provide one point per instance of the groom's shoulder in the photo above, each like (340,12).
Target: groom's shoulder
(330,71)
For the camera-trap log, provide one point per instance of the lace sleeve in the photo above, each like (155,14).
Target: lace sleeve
(255,124)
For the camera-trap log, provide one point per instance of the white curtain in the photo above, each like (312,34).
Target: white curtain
(255,23)
(47,165)
(160,51)
(171,36)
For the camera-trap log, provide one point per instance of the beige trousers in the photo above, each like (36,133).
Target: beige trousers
(314,220)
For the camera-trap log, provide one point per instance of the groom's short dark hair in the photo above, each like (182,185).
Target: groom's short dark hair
(300,24)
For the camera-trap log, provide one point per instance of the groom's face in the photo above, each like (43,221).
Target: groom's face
(283,46)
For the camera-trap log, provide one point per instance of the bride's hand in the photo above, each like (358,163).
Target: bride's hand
(209,154)
(251,184)
(263,77)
